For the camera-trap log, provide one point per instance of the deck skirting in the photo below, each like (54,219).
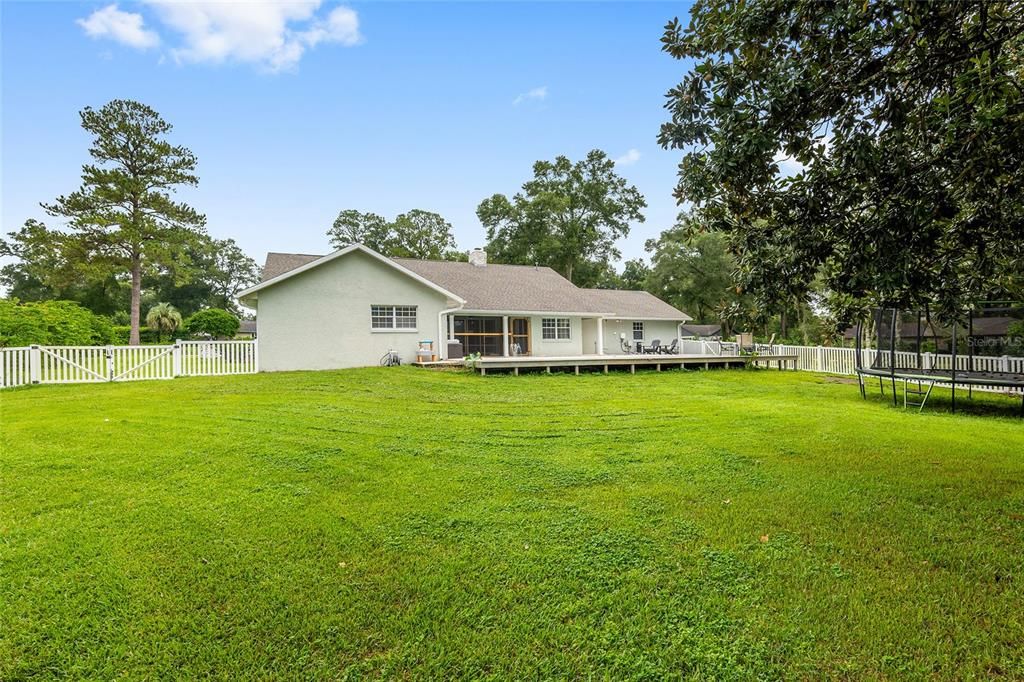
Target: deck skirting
(631,362)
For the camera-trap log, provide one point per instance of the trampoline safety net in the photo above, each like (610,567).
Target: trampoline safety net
(981,349)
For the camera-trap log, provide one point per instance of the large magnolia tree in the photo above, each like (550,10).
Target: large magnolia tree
(876,145)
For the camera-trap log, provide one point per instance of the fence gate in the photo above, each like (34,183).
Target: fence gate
(128,363)
(70,364)
(93,364)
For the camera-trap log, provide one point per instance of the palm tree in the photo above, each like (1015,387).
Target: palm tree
(163,317)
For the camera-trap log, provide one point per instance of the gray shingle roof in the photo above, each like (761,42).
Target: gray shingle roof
(635,304)
(524,288)
(512,288)
(280,263)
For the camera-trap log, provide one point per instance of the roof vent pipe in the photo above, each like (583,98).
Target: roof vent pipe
(478,257)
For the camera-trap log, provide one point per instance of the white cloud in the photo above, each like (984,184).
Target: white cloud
(271,35)
(124,27)
(538,94)
(274,35)
(629,158)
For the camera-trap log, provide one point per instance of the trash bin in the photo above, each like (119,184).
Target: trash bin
(454,349)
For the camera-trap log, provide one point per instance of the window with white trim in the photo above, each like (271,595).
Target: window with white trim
(638,331)
(555,328)
(385,317)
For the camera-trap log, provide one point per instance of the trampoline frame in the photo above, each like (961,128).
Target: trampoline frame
(952,377)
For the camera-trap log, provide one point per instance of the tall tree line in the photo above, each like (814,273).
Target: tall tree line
(127,242)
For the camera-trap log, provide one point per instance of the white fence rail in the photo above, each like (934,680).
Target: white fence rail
(91,364)
(844,361)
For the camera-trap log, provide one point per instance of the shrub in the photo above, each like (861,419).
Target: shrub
(51,323)
(121,334)
(163,317)
(219,324)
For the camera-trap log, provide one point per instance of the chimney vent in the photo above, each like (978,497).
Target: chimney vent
(478,257)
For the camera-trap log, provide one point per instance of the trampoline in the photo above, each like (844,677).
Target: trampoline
(913,349)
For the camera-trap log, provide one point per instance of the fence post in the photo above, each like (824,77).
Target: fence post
(176,359)
(35,364)
(255,356)
(821,359)
(110,363)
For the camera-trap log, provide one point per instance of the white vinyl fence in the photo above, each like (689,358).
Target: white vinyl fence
(90,364)
(843,361)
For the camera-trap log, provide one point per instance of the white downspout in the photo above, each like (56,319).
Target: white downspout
(600,336)
(442,332)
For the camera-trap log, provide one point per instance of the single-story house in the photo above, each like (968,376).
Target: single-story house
(349,308)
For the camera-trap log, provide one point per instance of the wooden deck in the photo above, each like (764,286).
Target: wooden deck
(630,362)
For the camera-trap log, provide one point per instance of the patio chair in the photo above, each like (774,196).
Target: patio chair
(655,347)
(672,348)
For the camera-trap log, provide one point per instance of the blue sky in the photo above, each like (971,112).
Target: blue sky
(298,111)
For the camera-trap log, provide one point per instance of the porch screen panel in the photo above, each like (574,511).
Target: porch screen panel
(479,334)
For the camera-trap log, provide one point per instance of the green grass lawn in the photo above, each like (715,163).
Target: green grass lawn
(408,523)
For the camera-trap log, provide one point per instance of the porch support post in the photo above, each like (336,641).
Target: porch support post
(504,335)
(600,336)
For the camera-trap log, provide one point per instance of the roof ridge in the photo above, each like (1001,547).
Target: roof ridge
(292,253)
(629,291)
(462,262)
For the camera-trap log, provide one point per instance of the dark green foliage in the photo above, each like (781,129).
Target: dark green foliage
(53,265)
(693,272)
(204,273)
(120,334)
(908,120)
(208,274)
(416,234)
(219,324)
(124,216)
(567,217)
(51,323)
(634,274)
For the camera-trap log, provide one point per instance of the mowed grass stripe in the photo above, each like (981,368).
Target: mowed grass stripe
(406,523)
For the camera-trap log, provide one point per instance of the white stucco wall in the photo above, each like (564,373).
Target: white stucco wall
(589,339)
(540,346)
(664,330)
(320,319)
